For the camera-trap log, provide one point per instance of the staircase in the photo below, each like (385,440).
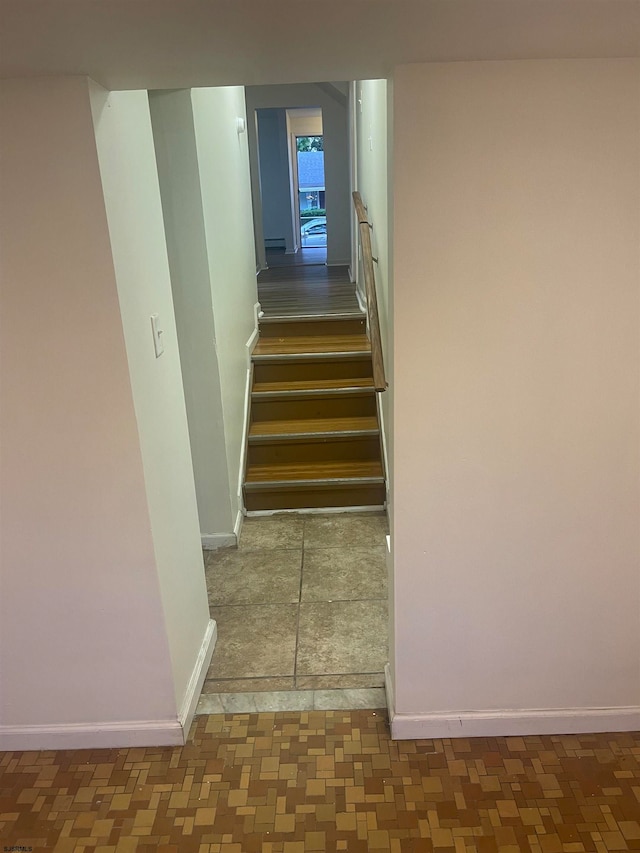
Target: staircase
(314,436)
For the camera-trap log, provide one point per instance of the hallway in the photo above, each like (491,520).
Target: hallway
(301,605)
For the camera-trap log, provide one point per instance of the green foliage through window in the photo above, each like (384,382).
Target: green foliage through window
(310,143)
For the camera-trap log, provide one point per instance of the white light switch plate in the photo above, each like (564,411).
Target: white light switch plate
(157,335)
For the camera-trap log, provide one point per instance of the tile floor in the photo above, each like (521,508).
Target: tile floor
(326,781)
(300,605)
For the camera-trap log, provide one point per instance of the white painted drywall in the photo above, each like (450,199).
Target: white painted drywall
(179,178)
(372,179)
(516,408)
(336,154)
(83,637)
(223,159)
(132,198)
(305,122)
(278,213)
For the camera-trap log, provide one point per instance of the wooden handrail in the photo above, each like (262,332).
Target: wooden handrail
(373,324)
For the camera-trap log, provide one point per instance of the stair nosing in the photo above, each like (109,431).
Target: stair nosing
(312,392)
(322,318)
(269,438)
(263,485)
(310,356)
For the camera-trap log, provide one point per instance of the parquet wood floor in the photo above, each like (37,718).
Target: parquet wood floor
(326,781)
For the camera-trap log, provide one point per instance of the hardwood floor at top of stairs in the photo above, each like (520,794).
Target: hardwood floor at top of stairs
(307,290)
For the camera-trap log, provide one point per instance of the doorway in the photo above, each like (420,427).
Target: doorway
(310,191)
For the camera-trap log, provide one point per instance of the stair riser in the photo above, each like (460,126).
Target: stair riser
(298,371)
(343,406)
(303,452)
(313,498)
(285,329)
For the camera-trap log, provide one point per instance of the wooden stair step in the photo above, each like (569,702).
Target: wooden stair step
(309,326)
(304,405)
(303,345)
(274,487)
(314,386)
(352,367)
(313,427)
(267,475)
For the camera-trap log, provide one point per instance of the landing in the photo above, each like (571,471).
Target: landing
(306,290)
(301,605)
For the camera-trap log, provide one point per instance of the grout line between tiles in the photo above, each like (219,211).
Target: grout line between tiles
(287,603)
(295,659)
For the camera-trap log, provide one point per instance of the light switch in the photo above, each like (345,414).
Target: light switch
(157,335)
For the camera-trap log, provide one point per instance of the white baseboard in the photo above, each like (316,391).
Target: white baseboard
(388,687)
(125,733)
(552,721)
(237,527)
(251,343)
(92,735)
(198,675)
(383,441)
(361,303)
(214,541)
(344,263)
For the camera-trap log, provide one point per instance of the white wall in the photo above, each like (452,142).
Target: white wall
(336,155)
(372,179)
(132,198)
(223,159)
(275,180)
(516,407)
(84,657)
(305,122)
(179,178)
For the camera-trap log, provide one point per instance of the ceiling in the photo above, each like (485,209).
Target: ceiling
(131,44)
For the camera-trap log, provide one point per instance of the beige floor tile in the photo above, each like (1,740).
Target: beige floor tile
(342,637)
(254,577)
(337,574)
(271,532)
(345,530)
(247,685)
(254,641)
(353,681)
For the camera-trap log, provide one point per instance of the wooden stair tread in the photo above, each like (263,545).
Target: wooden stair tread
(314,426)
(358,383)
(303,344)
(324,471)
(316,318)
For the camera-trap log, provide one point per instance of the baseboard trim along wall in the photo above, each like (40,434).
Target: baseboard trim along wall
(112,735)
(237,527)
(388,689)
(194,688)
(553,721)
(92,735)
(214,541)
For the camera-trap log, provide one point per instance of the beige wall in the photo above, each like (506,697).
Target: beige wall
(179,177)
(223,159)
(132,198)
(516,408)
(83,639)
